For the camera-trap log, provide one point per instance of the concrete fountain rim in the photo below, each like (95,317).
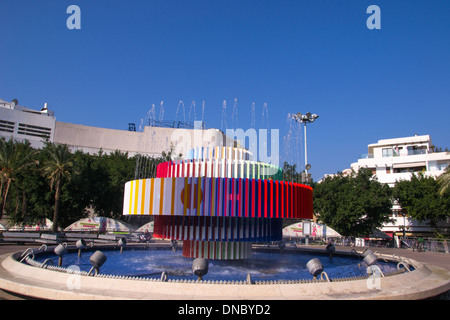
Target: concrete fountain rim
(425,281)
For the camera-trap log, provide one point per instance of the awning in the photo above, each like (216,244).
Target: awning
(99,224)
(407,234)
(148,226)
(317,230)
(409,165)
(44,225)
(377,234)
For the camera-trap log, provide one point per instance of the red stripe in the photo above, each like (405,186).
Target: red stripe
(287,200)
(282,200)
(259,199)
(277,199)
(246,198)
(265,198)
(295,200)
(253,197)
(271,198)
(292,200)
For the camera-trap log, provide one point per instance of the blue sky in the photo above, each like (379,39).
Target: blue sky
(295,56)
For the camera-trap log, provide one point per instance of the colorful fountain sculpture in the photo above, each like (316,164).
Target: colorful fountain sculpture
(218,202)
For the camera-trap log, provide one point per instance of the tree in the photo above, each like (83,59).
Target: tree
(32,200)
(420,197)
(56,168)
(352,205)
(444,181)
(112,171)
(15,157)
(78,192)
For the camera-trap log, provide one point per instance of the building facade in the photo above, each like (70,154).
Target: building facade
(397,159)
(22,123)
(393,160)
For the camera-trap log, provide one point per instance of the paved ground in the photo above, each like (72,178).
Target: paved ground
(439,259)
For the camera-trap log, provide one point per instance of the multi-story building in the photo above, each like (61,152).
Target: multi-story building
(396,159)
(22,123)
(393,160)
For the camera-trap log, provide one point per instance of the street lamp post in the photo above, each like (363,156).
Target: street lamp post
(305,118)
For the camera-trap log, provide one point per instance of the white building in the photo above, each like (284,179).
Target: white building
(397,159)
(22,123)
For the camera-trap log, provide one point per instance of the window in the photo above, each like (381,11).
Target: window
(36,131)
(413,150)
(441,166)
(410,169)
(388,152)
(6,126)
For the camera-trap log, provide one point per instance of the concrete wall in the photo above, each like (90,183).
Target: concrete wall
(22,124)
(152,141)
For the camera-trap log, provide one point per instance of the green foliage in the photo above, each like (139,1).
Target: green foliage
(15,159)
(352,205)
(57,167)
(421,198)
(55,183)
(30,180)
(444,181)
(109,173)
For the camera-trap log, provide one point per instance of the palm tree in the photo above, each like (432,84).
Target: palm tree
(15,157)
(57,167)
(444,181)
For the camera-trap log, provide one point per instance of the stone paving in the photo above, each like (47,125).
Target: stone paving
(436,258)
(439,259)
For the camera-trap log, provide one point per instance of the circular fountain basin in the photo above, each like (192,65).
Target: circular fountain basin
(54,283)
(263,265)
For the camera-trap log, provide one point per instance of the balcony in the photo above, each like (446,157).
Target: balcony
(366,156)
(412,152)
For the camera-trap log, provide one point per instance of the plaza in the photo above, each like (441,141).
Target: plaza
(430,281)
(186,124)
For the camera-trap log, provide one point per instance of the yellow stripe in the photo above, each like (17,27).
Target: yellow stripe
(136,197)
(161,197)
(152,184)
(144,182)
(172,206)
(131,197)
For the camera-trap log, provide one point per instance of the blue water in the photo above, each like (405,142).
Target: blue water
(263,266)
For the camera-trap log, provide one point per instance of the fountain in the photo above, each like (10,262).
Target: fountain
(226,209)
(218,202)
